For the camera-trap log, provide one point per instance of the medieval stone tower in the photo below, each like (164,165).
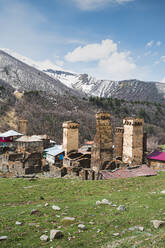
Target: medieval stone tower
(133,141)
(102,148)
(23,124)
(70,136)
(118,142)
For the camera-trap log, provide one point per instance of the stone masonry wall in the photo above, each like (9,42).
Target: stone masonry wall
(133,141)
(102,148)
(156,165)
(118,142)
(70,136)
(22,126)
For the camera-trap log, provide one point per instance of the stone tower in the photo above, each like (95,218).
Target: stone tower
(102,149)
(133,141)
(70,136)
(118,142)
(23,124)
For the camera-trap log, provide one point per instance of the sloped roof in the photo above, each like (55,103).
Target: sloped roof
(55,150)
(156,155)
(33,138)
(10,133)
(143,170)
(89,142)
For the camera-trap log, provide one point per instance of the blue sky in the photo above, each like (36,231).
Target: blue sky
(109,39)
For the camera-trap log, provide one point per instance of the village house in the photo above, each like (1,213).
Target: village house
(7,139)
(97,159)
(156,160)
(54,155)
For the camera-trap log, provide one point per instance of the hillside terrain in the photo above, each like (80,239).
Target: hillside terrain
(128,89)
(27,92)
(106,226)
(23,73)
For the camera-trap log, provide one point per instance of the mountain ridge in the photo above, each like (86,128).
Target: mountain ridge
(24,76)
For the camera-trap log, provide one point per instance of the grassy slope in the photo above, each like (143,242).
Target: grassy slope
(20,196)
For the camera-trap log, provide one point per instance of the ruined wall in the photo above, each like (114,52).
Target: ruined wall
(70,136)
(36,146)
(21,163)
(133,141)
(118,142)
(22,126)
(88,174)
(102,149)
(156,165)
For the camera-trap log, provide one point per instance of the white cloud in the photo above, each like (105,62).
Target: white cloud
(150,43)
(110,62)
(92,52)
(158,43)
(162,59)
(95,4)
(163,80)
(118,65)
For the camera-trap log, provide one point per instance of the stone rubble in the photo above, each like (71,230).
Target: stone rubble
(157,223)
(56,234)
(34,211)
(56,208)
(18,223)
(44,238)
(68,220)
(121,208)
(3,238)
(139,228)
(82,227)
(103,202)
(116,234)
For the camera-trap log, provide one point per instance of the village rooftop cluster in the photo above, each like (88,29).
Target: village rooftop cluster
(122,154)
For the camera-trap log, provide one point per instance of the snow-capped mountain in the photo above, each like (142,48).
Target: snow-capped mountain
(23,73)
(26,76)
(127,89)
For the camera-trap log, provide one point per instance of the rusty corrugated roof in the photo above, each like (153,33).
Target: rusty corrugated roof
(143,170)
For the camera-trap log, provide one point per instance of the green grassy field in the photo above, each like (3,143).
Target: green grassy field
(140,196)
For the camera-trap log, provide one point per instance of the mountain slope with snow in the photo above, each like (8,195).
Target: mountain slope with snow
(127,89)
(22,76)
(23,73)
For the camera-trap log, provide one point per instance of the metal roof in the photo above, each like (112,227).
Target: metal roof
(10,133)
(55,150)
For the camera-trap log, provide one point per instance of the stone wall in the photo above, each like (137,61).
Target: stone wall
(133,141)
(21,163)
(88,174)
(70,136)
(22,126)
(156,165)
(36,146)
(102,149)
(118,142)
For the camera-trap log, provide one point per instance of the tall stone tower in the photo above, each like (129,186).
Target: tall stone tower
(133,141)
(70,136)
(23,124)
(102,149)
(118,142)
